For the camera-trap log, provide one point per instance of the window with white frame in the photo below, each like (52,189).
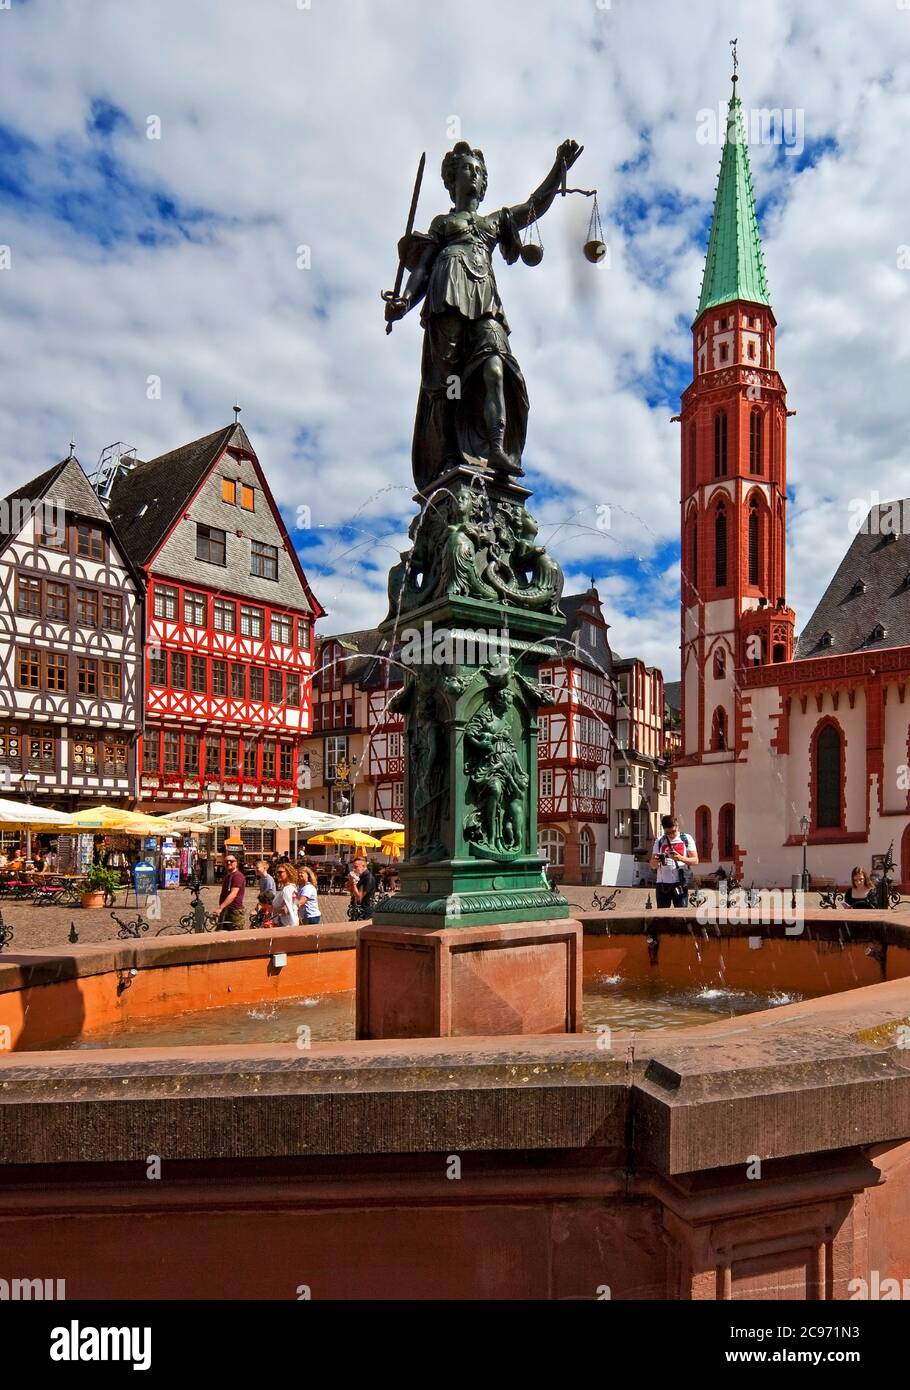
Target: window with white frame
(551,843)
(543,730)
(545,781)
(397,796)
(623,775)
(623,819)
(336,751)
(584,781)
(585,849)
(394,745)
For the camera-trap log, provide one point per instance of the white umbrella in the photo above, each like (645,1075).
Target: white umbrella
(264,818)
(224,811)
(368,823)
(24,814)
(21,813)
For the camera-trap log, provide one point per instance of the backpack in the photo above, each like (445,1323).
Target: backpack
(686,875)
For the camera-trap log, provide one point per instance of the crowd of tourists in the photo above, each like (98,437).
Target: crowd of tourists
(287,896)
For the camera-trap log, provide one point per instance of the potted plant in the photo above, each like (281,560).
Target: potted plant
(100,884)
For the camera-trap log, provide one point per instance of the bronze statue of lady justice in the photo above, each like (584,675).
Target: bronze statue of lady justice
(473,403)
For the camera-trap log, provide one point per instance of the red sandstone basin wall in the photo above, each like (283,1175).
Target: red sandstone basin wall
(49,998)
(579,1169)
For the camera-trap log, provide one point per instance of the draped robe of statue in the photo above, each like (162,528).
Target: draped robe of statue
(464,324)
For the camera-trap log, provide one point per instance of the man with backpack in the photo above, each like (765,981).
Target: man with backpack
(671,858)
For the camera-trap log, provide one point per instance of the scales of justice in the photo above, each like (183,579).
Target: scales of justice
(477,941)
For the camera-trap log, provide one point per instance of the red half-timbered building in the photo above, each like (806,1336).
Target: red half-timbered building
(229,629)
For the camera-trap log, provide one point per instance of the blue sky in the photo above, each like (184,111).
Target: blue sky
(176,259)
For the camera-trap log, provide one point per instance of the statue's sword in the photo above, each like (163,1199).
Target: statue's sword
(390,295)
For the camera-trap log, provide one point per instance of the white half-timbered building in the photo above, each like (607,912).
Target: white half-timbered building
(70,646)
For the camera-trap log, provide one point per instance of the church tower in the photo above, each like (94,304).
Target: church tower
(734,495)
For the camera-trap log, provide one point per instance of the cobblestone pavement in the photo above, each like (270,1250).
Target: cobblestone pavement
(48,928)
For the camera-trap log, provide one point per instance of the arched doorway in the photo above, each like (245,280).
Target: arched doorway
(905,859)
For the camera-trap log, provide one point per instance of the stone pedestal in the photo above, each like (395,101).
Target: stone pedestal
(481,981)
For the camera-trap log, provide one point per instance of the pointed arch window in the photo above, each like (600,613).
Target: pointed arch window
(756,441)
(720,663)
(720,548)
(720,444)
(726,831)
(829,777)
(719,739)
(693,568)
(754,541)
(692,458)
(703,833)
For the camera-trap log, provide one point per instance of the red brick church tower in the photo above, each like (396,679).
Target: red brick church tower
(734,497)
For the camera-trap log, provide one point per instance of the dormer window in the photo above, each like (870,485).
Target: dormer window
(878,633)
(858,588)
(826,639)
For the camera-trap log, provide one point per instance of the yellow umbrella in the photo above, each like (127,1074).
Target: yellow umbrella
(117,818)
(393,844)
(344,837)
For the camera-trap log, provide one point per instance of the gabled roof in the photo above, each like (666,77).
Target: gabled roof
(147,501)
(673,696)
(366,668)
(589,639)
(65,483)
(850,611)
(734,266)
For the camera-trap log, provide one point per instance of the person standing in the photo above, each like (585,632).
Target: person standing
(308,899)
(363,891)
(267,888)
(285,910)
(231,916)
(672,855)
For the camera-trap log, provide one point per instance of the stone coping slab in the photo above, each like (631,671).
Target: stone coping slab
(26,969)
(821,1075)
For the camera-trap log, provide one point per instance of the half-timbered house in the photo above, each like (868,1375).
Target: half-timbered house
(641,770)
(70,637)
(575,741)
(229,633)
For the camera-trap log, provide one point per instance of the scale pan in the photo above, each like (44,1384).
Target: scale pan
(532,254)
(595,251)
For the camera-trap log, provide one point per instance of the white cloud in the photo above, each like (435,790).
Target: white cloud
(303,126)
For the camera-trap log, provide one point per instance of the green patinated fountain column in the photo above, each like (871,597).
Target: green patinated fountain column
(472,605)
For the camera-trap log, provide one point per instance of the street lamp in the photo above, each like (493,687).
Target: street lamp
(804,827)
(27,784)
(210,795)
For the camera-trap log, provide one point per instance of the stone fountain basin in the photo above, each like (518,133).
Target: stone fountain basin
(49,998)
(328,1169)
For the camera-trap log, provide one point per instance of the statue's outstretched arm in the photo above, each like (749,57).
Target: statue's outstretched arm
(541,199)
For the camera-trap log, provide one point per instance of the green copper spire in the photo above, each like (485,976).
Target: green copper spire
(734,267)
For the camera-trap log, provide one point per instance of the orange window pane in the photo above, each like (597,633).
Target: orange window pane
(247,496)
(229,491)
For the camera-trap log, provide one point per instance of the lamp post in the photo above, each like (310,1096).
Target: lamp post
(27,784)
(804,827)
